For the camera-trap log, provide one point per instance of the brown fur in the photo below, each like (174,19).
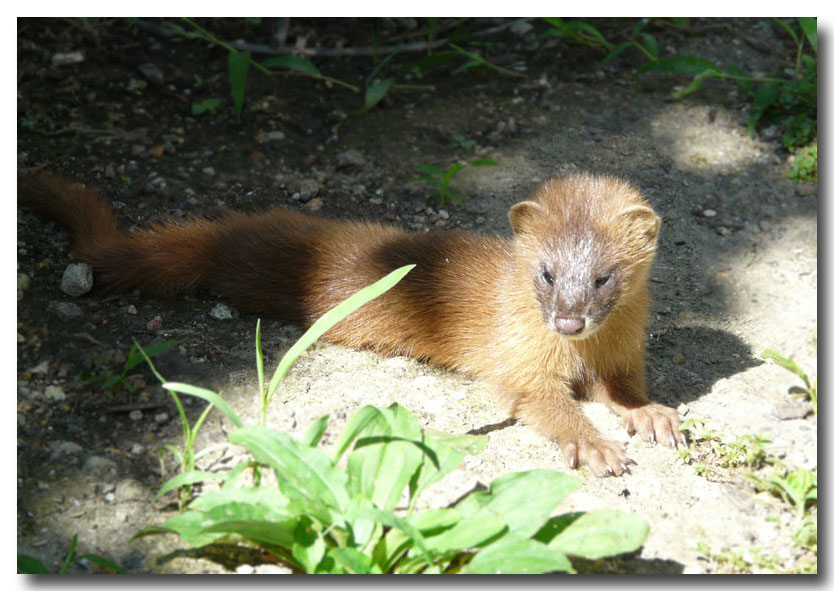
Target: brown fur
(557,313)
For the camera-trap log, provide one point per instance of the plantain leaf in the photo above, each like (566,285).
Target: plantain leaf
(517,555)
(305,473)
(602,533)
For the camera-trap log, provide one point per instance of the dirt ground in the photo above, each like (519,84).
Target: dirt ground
(736,270)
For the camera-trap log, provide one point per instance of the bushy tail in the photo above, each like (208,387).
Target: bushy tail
(167,259)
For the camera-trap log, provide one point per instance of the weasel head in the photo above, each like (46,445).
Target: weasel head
(586,244)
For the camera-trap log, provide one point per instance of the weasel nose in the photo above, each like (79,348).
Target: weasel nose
(569,326)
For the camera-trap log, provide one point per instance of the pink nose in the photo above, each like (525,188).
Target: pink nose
(569,326)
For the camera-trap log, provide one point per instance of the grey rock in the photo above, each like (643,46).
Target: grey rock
(77,279)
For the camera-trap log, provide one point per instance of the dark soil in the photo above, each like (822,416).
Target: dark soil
(736,271)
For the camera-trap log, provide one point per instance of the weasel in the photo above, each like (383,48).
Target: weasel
(556,314)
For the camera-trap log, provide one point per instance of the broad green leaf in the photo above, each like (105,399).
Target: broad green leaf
(292,62)
(686,65)
(190,526)
(471,532)
(555,526)
(259,531)
(186,478)
(517,555)
(452,171)
(134,358)
(696,83)
(355,425)
(101,561)
(483,162)
(809,27)
(399,539)
(330,318)
(30,565)
(449,452)
(353,561)
(308,546)
(386,456)
(390,520)
(268,503)
(602,533)
(238,71)
(298,467)
(523,500)
(315,431)
(376,92)
(590,31)
(429,169)
(651,44)
(207,395)
(741,78)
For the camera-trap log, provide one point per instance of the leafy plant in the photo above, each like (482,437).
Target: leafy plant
(797,486)
(793,367)
(805,165)
(208,105)
(32,566)
(134,357)
(322,518)
(709,452)
(442,178)
(461,142)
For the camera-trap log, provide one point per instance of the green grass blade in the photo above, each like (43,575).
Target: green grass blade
(207,395)
(329,319)
(238,73)
(315,431)
(787,363)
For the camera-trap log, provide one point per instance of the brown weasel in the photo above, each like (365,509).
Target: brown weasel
(555,314)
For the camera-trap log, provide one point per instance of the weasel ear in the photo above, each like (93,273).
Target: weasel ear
(523,216)
(643,226)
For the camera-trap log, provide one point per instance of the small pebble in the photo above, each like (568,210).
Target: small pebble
(67,310)
(77,279)
(54,393)
(221,312)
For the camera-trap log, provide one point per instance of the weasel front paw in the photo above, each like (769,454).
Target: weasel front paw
(603,457)
(655,423)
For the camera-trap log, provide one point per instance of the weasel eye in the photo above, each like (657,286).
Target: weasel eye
(548,278)
(602,280)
